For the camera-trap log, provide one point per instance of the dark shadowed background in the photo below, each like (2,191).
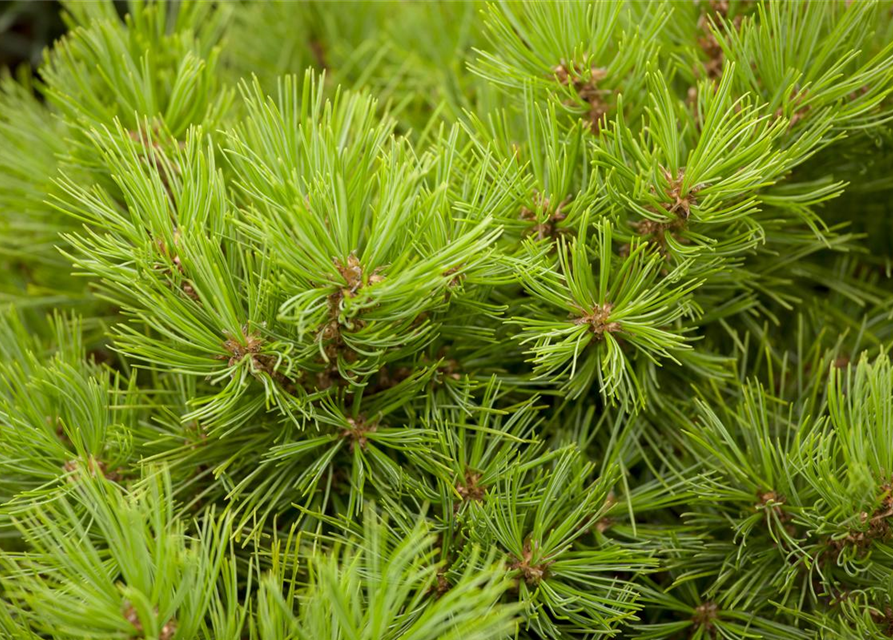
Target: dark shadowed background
(26,28)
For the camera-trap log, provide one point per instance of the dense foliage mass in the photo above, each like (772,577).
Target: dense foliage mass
(463,321)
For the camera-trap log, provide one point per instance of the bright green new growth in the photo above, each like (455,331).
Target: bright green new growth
(453,321)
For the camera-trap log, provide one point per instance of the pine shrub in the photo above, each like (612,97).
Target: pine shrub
(449,320)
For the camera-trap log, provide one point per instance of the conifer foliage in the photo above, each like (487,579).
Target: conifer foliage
(456,321)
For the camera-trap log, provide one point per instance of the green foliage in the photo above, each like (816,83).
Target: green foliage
(625,300)
(449,321)
(380,587)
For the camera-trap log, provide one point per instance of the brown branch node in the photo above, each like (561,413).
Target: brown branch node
(167,632)
(878,529)
(532,573)
(93,466)
(358,432)
(884,619)
(470,488)
(548,227)
(585,84)
(599,321)
(704,616)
